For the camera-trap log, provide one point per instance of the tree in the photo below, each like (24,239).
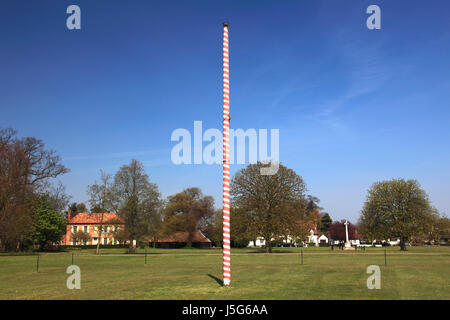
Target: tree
(26,168)
(58,197)
(337,230)
(312,203)
(316,215)
(15,194)
(77,207)
(49,226)
(41,164)
(439,226)
(396,208)
(188,211)
(326,222)
(273,204)
(73,209)
(81,207)
(154,227)
(100,199)
(80,236)
(136,200)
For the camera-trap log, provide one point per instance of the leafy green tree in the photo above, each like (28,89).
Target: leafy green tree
(73,209)
(275,205)
(49,226)
(396,208)
(326,223)
(439,226)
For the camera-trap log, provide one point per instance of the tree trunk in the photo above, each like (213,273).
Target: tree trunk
(97,250)
(403,244)
(130,246)
(268,247)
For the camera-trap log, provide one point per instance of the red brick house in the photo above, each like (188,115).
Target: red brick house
(90,222)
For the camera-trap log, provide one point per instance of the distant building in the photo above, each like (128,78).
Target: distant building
(258,242)
(181,239)
(315,238)
(89,223)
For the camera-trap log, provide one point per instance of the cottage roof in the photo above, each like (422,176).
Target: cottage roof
(88,218)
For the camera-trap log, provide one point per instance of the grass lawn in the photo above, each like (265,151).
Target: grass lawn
(421,273)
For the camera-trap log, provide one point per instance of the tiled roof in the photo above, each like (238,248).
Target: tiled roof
(183,237)
(86,217)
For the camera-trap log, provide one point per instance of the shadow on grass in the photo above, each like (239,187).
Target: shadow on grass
(220,282)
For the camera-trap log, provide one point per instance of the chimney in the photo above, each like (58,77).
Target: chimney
(69,215)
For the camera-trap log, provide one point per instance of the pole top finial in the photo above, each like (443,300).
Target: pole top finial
(226,24)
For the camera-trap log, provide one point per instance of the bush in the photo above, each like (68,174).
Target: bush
(94,246)
(239,243)
(52,249)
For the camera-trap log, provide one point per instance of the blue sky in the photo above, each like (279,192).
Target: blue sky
(353,105)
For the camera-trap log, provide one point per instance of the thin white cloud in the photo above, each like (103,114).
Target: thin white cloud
(116,155)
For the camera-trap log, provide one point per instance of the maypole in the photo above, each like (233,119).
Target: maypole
(226,160)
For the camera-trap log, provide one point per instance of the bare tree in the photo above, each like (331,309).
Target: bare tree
(58,197)
(136,200)
(26,168)
(81,236)
(100,197)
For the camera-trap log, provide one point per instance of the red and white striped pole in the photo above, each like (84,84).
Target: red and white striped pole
(226,160)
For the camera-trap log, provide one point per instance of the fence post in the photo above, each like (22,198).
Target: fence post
(72,258)
(301,254)
(385,261)
(145,255)
(37,264)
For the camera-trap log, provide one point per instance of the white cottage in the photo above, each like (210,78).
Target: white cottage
(315,238)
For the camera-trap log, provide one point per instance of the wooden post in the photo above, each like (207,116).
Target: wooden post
(301,254)
(37,264)
(385,260)
(145,255)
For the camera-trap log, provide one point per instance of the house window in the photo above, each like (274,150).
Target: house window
(105,229)
(75,229)
(86,229)
(105,240)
